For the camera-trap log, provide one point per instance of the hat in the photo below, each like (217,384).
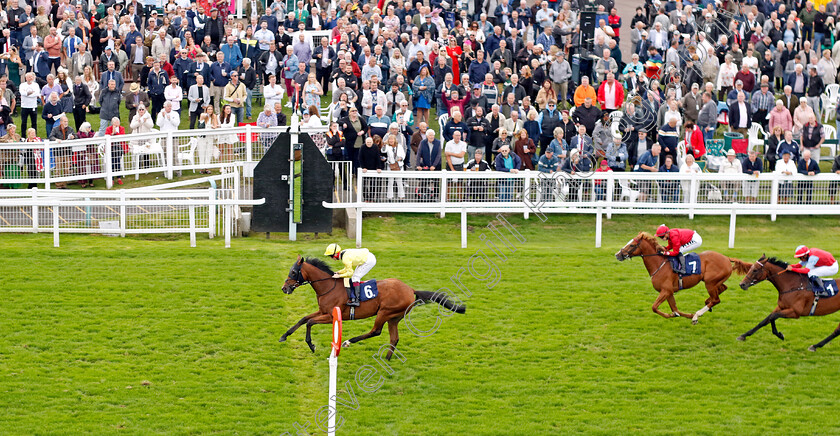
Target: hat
(765,84)
(477,86)
(695,85)
(644,33)
(154,12)
(739,82)
(108,47)
(211,10)
(603,162)
(730,152)
(134,87)
(786,152)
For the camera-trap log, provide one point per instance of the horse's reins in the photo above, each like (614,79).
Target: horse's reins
(800,288)
(300,282)
(664,261)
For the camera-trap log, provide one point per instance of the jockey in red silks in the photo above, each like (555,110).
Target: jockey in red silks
(816,263)
(680,241)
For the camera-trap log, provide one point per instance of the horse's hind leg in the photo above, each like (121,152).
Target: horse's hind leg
(776,331)
(393,330)
(297,326)
(663,295)
(821,343)
(381,318)
(673,303)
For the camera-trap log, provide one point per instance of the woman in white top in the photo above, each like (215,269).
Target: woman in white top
(207,120)
(92,83)
(272,92)
(397,61)
(141,123)
(227,120)
(395,153)
(726,77)
(829,67)
(689,167)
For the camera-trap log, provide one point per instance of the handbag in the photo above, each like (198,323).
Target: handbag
(394,166)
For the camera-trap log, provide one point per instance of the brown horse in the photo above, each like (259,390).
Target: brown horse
(795,297)
(716,269)
(395,298)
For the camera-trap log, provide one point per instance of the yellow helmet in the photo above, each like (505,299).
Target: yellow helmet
(332,249)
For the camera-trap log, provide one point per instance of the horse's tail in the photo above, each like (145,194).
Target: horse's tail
(740,266)
(441,299)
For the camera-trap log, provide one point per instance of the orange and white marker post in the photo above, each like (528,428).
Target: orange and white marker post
(336,348)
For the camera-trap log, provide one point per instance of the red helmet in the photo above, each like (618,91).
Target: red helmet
(662,230)
(801,251)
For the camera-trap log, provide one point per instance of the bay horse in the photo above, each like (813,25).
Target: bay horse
(795,297)
(394,299)
(715,270)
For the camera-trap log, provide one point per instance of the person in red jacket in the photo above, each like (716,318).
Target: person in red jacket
(815,263)
(610,94)
(680,241)
(694,142)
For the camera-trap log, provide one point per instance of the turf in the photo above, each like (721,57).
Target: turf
(148,336)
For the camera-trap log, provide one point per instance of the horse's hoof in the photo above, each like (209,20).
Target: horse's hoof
(282,339)
(675,315)
(345,344)
(312,347)
(780,336)
(741,338)
(812,348)
(694,321)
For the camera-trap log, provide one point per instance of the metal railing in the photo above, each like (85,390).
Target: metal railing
(600,193)
(109,157)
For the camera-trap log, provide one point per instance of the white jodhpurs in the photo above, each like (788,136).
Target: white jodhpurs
(363,269)
(823,271)
(695,243)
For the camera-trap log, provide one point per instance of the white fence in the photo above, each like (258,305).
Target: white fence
(110,157)
(603,193)
(119,212)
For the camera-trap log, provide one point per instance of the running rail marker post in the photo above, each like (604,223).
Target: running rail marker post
(336,348)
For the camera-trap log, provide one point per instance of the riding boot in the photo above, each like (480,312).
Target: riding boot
(816,283)
(681,261)
(354,295)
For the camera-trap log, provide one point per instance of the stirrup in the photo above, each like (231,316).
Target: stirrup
(353,302)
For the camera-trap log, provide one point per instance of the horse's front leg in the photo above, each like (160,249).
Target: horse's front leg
(776,314)
(297,326)
(320,318)
(673,303)
(663,295)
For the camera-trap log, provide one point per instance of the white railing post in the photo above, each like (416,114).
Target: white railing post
(109,176)
(732,217)
(526,192)
(55,225)
(692,195)
(35,217)
(249,144)
(228,219)
(463,228)
(360,185)
(192,226)
(211,213)
(599,223)
(359,227)
(774,196)
(46,161)
(122,213)
(610,181)
(443,193)
(170,142)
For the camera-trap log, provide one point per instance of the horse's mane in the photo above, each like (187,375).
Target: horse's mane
(320,264)
(778,262)
(650,238)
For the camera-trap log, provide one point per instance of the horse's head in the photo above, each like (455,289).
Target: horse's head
(295,277)
(757,273)
(634,247)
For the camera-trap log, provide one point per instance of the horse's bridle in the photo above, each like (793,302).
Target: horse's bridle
(296,274)
(633,246)
(753,282)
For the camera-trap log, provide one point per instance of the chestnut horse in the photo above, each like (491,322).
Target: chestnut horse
(795,297)
(395,298)
(715,270)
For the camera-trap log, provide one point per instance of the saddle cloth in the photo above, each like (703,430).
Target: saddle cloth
(692,264)
(830,286)
(368,291)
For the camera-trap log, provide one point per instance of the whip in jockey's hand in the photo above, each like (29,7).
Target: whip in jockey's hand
(680,241)
(357,263)
(815,263)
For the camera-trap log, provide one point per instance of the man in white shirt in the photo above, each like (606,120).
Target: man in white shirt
(168,119)
(174,94)
(455,151)
(264,36)
(730,166)
(29,95)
